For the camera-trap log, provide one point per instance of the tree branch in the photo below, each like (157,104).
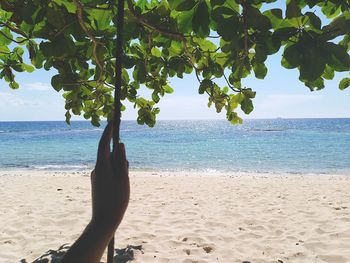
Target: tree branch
(244,14)
(14,29)
(59,32)
(13,40)
(230,86)
(79,14)
(143,21)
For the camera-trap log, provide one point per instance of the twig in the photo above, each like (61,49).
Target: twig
(229,85)
(79,13)
(244,14)
(13,40)
(108,8)
(59,32)
(14,29)
(209,51)
(143,21)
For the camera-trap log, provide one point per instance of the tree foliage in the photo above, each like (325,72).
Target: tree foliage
(213,39)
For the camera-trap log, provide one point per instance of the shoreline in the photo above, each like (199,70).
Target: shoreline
(186,217)
(171,172)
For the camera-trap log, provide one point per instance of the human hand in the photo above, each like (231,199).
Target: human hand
(109,183)
(110,198)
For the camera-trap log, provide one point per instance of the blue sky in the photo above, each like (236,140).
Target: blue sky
(279,95)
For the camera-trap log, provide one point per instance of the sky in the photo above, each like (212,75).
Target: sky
(279,95)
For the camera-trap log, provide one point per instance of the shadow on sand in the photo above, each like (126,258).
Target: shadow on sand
(123,255)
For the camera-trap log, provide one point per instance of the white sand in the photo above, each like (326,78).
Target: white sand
(186,217)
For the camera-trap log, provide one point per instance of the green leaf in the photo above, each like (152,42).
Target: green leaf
(184,21)
(168,89)
(206,85)
(200,20)
(275,16)
(293,9)
(292,56)
(257,20)
(317,84)
(140,72)
(227,22)
(56,82)
(248,93)
(156,52)
(246,102)
(285,33)
(328,73)
(345,42)
(7,72)
(247,105)
(4,49)
(71,8)
(330,9)
(337,27)
(95,120)
(61,47)
(313,20)
(5,36)
(339,58)
(54,18)
(312,65)
(217,2)
(246,97)
(155,97)
(219,104)
(185,5)
(236,120)
(103,18)
(344,83)
(260,70)
(14,85)
(21,39)
(125,77)
(27,67)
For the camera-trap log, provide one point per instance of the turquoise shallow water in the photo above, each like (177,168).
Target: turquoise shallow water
(279,145)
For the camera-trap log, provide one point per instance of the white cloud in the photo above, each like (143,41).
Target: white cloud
(39,86)
(10,99)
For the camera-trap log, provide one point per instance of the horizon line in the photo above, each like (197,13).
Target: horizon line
(275,118)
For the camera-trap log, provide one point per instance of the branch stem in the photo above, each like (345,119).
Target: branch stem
(79,13)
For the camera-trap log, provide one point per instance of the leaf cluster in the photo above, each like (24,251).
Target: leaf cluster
(213,39)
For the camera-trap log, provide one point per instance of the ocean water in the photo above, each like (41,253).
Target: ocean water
(266,146)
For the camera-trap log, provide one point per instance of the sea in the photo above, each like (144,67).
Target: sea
(297,146)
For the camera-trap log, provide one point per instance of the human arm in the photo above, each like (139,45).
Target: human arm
(110,198)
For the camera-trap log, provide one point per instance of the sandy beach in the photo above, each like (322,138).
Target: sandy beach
(185,217)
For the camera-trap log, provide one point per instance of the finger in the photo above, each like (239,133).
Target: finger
(104,147)
(119,155)
(121,151)
(120,160)
(93,176)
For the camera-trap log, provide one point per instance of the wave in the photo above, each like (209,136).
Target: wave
(267,130)
(48,167)
(50,131)
(134,166)
(65,167)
